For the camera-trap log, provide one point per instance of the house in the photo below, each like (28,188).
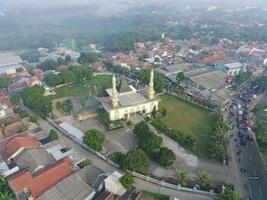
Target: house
(169,70)
(33,159)
(17,144)
(39,73)
(24,183)
(70,188)
(143,196)
(17,86)
(233,69)
(32,81)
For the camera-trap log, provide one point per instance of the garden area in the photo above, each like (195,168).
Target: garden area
(96,85)
(189,119)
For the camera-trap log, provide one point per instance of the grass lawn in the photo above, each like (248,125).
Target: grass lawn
(82,88)
(189,118)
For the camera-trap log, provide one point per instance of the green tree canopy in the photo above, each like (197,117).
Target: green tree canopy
(88,58)
(183,177)
(68,76)
(166,157)
(94,139)
(48,65)
(204,179)
(159,80)
(5,81)
(136,159)
(53,135)
(127,181)
(53,79)
(229,194)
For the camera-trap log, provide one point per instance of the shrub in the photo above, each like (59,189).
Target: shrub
(53,135)
(33,119)
(127,181)
(94,139)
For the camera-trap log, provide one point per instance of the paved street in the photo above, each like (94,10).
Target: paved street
(251,178)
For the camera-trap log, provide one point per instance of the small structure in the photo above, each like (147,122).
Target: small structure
(71,130)
(113,185)
(128,101)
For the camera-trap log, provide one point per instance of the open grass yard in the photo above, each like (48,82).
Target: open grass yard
(188,118)
(96,85)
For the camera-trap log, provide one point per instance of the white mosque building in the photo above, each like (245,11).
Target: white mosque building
(124,101)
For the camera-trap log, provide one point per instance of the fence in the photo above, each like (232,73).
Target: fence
(135,174)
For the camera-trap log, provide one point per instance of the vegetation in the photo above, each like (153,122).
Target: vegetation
(157,196)
(97,85)
(242,77)
(14,98)
(53,136)
(137,160)
(178,123)
(180,78)
(31,56)
(148,141)
(33,97)
(21,112)
(48,65)
(94,139)
(34,119)
(260,128)
(116,68)
(218,140)
(159,80)
(166,157)
(5,191)
(73,74)
(64,106)
(127,181)
(88,58)
(120,159)
(5,81)
(204,179)
(84,163)
(183,177)
(229,194)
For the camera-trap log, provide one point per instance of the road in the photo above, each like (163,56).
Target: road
(140,183)
(251,178)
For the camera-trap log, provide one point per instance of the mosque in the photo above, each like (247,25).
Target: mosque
(124,101)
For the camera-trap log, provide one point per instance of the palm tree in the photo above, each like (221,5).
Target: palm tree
(204,179)
(182,176)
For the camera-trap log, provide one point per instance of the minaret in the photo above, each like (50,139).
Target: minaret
(115,98)
(150,90)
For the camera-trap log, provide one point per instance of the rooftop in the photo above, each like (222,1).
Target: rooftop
(34,159)
(17,143)
(44,180)
(9,59)
(69,188)
(234,65)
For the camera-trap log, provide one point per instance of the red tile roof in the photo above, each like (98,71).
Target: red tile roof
(42,181)
(34,80)
(16,143)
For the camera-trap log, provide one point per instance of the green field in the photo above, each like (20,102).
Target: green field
(101,82)
(189,118)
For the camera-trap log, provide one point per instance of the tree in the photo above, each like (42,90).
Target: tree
(148,141)
(81,72)
(182,176)
(88,58)
(137,160)
(180,78)
(34,98)
(53,135)
(31,56)
(229,194)
(166,157)
(68,76)
(60,61)
(5,191)
(120,159)
(5,81)
(48,65)
(94,139)
(67,59)
(204,179)
(33,119)
(14,98)
(159,80)
(53,79)
(127,181)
